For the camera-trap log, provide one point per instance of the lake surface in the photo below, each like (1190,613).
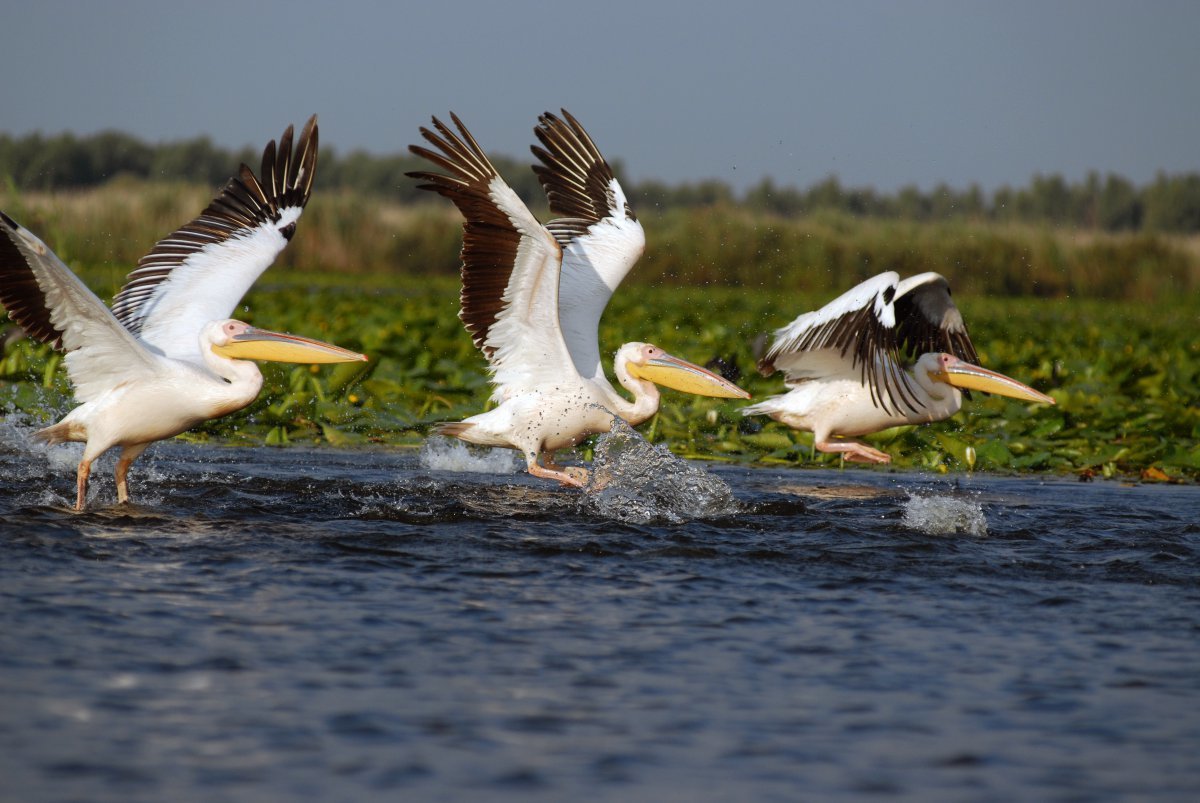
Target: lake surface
(301,624)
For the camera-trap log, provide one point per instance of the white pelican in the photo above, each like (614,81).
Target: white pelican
(533,295)
(167,357)
(845,364)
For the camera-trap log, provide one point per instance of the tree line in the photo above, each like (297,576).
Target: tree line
(1169,203)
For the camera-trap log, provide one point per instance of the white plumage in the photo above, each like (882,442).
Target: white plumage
(200,272)
(885,353)
(533,295)
(168,357)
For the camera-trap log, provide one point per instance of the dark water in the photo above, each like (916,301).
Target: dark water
(332,625)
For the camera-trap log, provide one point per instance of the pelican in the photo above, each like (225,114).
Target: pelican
(167,356)
(533,295)
(846,364)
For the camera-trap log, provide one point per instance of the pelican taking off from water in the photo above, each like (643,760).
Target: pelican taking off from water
(846,364)
(167,357)
(533,295)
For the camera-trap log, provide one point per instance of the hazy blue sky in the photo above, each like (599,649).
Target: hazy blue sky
(878,93)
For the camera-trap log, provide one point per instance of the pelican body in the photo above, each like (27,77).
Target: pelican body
(533,295)
(167,357)
(850,367)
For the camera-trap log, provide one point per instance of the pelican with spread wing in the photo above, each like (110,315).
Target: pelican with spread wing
(533,295)
(886,353)
(167,356)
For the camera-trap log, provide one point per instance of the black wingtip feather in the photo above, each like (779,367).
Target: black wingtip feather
(573,173)
(490,241)
(20,293)
(246,201)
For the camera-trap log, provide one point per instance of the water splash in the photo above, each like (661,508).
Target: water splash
(16,430)
(451,454)
(944,515)
(17,437)
(636,482)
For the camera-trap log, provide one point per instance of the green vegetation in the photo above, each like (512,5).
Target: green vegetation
(1061,310)
(1170,203)
(111,227)
(1125,377)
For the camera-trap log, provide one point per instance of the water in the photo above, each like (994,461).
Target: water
(365,625)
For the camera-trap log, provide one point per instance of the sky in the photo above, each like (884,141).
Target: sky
(880,94)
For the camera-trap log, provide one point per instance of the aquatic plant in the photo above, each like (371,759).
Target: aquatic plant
(1126,377)
(382,278)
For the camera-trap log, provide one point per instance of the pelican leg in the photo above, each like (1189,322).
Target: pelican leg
(572,476)
(853,451)
(577,472)
(128,455)
(81,482)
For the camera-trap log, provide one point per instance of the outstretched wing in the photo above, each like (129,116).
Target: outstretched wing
(600,236)
(510,265)
(52,305)
(200,272)
(927,319)
(877,327)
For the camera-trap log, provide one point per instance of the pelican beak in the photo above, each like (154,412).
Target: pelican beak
(672,372)
(262,344)
(972,377)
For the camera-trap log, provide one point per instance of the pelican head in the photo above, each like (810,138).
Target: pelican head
(650,363)
(241,341)
(955,372)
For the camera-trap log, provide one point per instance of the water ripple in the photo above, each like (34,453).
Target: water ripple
(310,624)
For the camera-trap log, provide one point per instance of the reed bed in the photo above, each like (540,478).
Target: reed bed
(724,245)
(1053,308)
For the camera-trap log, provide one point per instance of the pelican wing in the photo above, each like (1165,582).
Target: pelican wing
(601,238)
(50,302)
(200,272)
(927,319)
(510,265)
(876,327)
(818,364)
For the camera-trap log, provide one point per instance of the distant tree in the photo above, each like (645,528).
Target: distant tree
(767,197)
(650,195)
(192,160)
(709,192)
(1004,204)
(371,175)
(1172,203)
(944,203)
(112,153)
(1047,199)
(826,194)
(1111,203)
(861,201)
(911,204)
(1118,207)
(46,163)
(970,203)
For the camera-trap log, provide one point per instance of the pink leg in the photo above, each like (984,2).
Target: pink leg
(81,482)
(854,451)
(573,476)
(578,473)
(128,455)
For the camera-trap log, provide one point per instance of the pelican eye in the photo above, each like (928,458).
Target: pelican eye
(288,230)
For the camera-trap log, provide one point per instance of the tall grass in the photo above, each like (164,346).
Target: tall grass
(109,228)
(1126,376)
